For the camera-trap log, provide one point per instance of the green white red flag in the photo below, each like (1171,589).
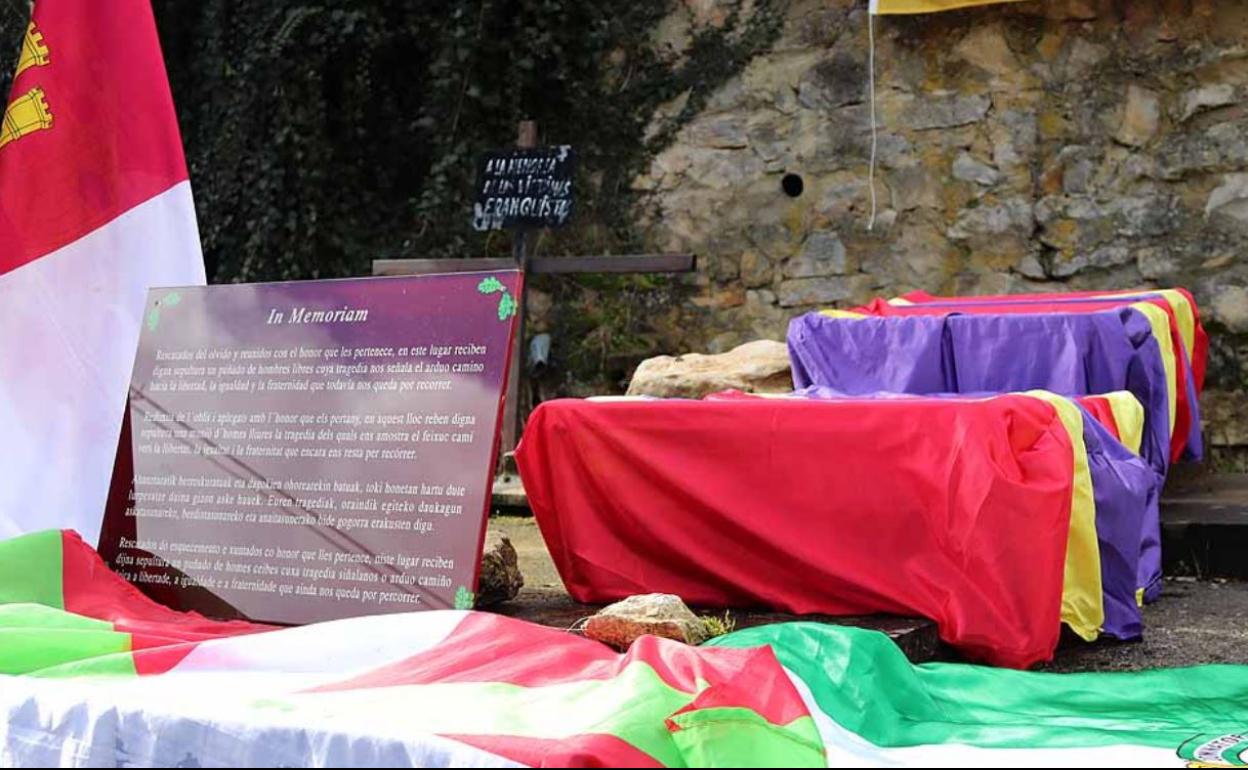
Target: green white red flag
(93,674)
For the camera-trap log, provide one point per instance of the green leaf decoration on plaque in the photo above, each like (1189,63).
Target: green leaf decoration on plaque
(491,285)
(172,299)
(506,306)
(464,599)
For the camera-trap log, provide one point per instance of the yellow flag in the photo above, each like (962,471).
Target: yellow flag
(927,6)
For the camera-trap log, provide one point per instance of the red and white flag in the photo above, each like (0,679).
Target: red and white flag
(95,208)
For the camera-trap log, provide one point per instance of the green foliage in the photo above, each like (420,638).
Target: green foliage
(717,626)
(322,136)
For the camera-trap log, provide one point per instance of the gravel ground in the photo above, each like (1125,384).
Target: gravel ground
(1194,622)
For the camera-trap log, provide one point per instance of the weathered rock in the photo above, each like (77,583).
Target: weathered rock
(1226,414)
(822,254)
(664,615)
(946,111)
(1084,56)
(1206,98)
(1230,307)
(500,570)
(1109,256)
(1014,136)
(836,82)
(1141,117)
(761,366)
(1076,168)
(1070,10)
(1230,199)
(1220,147)
(755,269)
(723,169)
(1012,215)
(915,187)
(1031,267)
(1145,215)
(966,168)
(985,47)
(724,132)
(844,195)
(1157,263)
(796,292)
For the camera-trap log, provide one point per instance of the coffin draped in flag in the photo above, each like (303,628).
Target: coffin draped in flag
(95,208)
(467,689)
(947,352)
(1125,490)
(1171,312)
(998,517)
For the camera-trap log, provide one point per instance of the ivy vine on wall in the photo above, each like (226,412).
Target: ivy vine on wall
(323,136)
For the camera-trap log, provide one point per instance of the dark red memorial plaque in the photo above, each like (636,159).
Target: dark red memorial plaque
(298,452)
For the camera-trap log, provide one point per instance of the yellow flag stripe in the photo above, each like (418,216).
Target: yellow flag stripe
(1083,604)
(1129,417)
(928,6)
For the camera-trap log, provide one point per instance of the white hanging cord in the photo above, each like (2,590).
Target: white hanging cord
(871,82)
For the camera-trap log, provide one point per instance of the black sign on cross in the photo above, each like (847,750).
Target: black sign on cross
(553,212)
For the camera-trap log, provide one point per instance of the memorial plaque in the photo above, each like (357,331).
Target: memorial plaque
(314,450)
(524,188)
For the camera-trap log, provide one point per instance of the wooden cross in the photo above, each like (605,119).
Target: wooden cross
(520,259)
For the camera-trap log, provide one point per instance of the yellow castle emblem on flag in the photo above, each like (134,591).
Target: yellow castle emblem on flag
(29,112)
(34,52)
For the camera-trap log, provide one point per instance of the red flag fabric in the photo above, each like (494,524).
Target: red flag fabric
(95,209)
(951,509)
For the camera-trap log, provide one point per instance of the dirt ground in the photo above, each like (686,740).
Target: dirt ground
(1194,622)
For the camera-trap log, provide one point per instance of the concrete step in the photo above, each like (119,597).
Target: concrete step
(1204,526)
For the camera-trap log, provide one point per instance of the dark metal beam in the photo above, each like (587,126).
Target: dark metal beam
(431,266)
(625,263)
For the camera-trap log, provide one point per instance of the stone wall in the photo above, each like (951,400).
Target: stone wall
(1029,147)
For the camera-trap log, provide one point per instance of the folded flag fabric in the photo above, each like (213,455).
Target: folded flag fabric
(468,689)
(1125,492)
(1171,313)
(786,503)
(872,707)
(1069,353)
(82,687)
(1073,354)
(1187,315)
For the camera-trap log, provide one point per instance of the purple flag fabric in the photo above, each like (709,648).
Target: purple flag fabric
(1073,355)
(1194,448)
(1078,354)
